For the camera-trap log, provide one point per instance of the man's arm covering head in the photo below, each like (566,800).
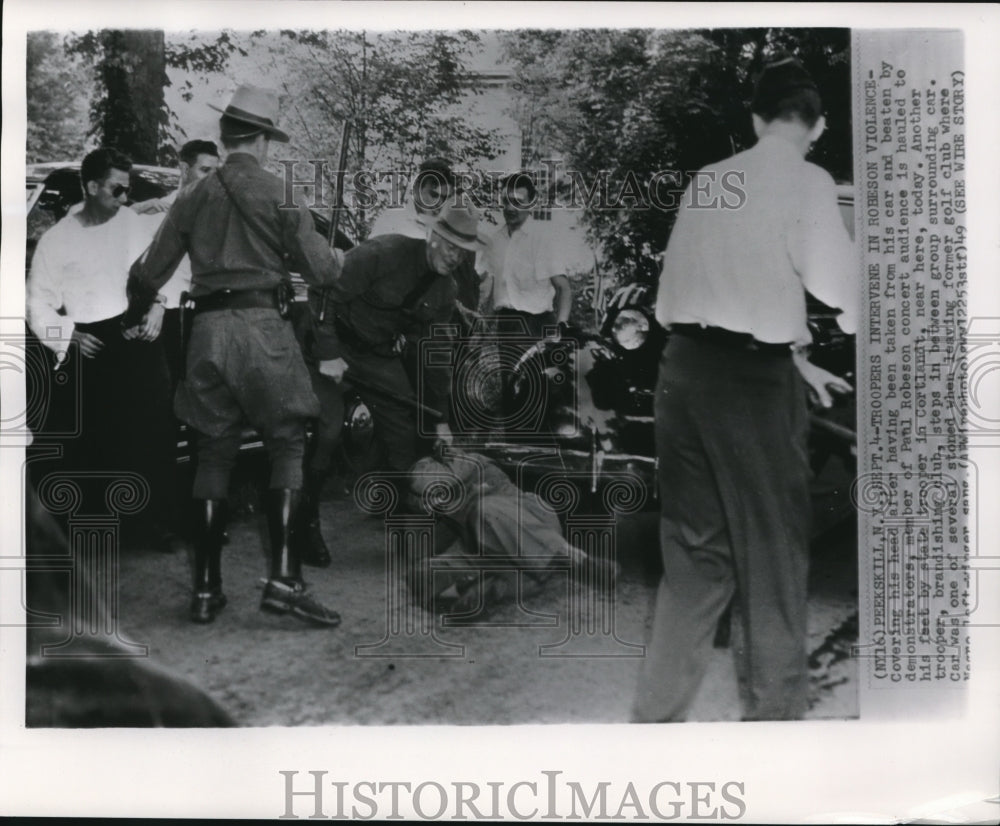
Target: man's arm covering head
(519,180)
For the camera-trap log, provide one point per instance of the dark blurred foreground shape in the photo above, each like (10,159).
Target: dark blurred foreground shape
(106,690)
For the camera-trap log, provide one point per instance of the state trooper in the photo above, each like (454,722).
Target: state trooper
(243,361)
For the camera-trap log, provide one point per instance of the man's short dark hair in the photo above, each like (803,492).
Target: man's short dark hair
(97,165)
(519,180)
(437,169)
(784,90)
(192,149)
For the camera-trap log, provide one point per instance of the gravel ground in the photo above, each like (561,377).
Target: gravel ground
(268,670)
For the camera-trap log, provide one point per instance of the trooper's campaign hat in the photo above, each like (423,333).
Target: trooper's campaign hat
(251,110)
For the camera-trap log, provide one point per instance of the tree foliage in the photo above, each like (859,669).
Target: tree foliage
(402,93)
(129,75)
(57,94)
(630,103)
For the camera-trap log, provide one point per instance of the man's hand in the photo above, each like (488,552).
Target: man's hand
(442,434)
(820,381)
(90,345)
(333,369)
(149,328)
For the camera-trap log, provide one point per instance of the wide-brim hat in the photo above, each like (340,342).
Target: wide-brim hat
(460,225)
(255,107)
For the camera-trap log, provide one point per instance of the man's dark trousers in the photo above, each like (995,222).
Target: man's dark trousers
(400,427)
(125,417)
(731,430)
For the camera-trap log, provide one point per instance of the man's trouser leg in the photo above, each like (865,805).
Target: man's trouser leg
(697,581)
(216,458)
(318,461)
(248,363)
(395,421)
(150,434)
(285,591)
(747,412)
(765,487)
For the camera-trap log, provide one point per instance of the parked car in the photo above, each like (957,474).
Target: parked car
(595,416)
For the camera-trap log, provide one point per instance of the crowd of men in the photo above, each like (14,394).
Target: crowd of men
(180,307)
(108,282)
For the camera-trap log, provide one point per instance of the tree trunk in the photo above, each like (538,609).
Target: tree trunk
(134,74)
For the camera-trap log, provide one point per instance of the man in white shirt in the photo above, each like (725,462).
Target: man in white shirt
(75,300)
(198,158)
(527,283)
(753,233)
(520,274)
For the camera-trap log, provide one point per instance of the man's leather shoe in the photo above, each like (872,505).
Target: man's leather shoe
(205,606)
(291,598)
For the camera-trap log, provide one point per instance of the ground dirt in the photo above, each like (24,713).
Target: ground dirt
(271,670)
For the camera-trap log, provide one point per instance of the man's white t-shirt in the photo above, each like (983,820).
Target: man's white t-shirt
(522,266)
(83,271)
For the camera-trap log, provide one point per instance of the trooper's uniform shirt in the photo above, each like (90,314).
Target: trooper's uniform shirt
(387,294)
(241,363)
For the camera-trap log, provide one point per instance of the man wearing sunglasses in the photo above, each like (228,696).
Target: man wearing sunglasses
(75,300)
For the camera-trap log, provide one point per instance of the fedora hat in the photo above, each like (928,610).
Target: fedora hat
(460,225)
(255,107)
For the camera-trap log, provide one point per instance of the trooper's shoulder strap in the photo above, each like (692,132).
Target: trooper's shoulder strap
(262,232)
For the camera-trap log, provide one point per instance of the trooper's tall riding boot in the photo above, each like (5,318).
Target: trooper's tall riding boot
(308,534)
(285,592)
(208,599)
